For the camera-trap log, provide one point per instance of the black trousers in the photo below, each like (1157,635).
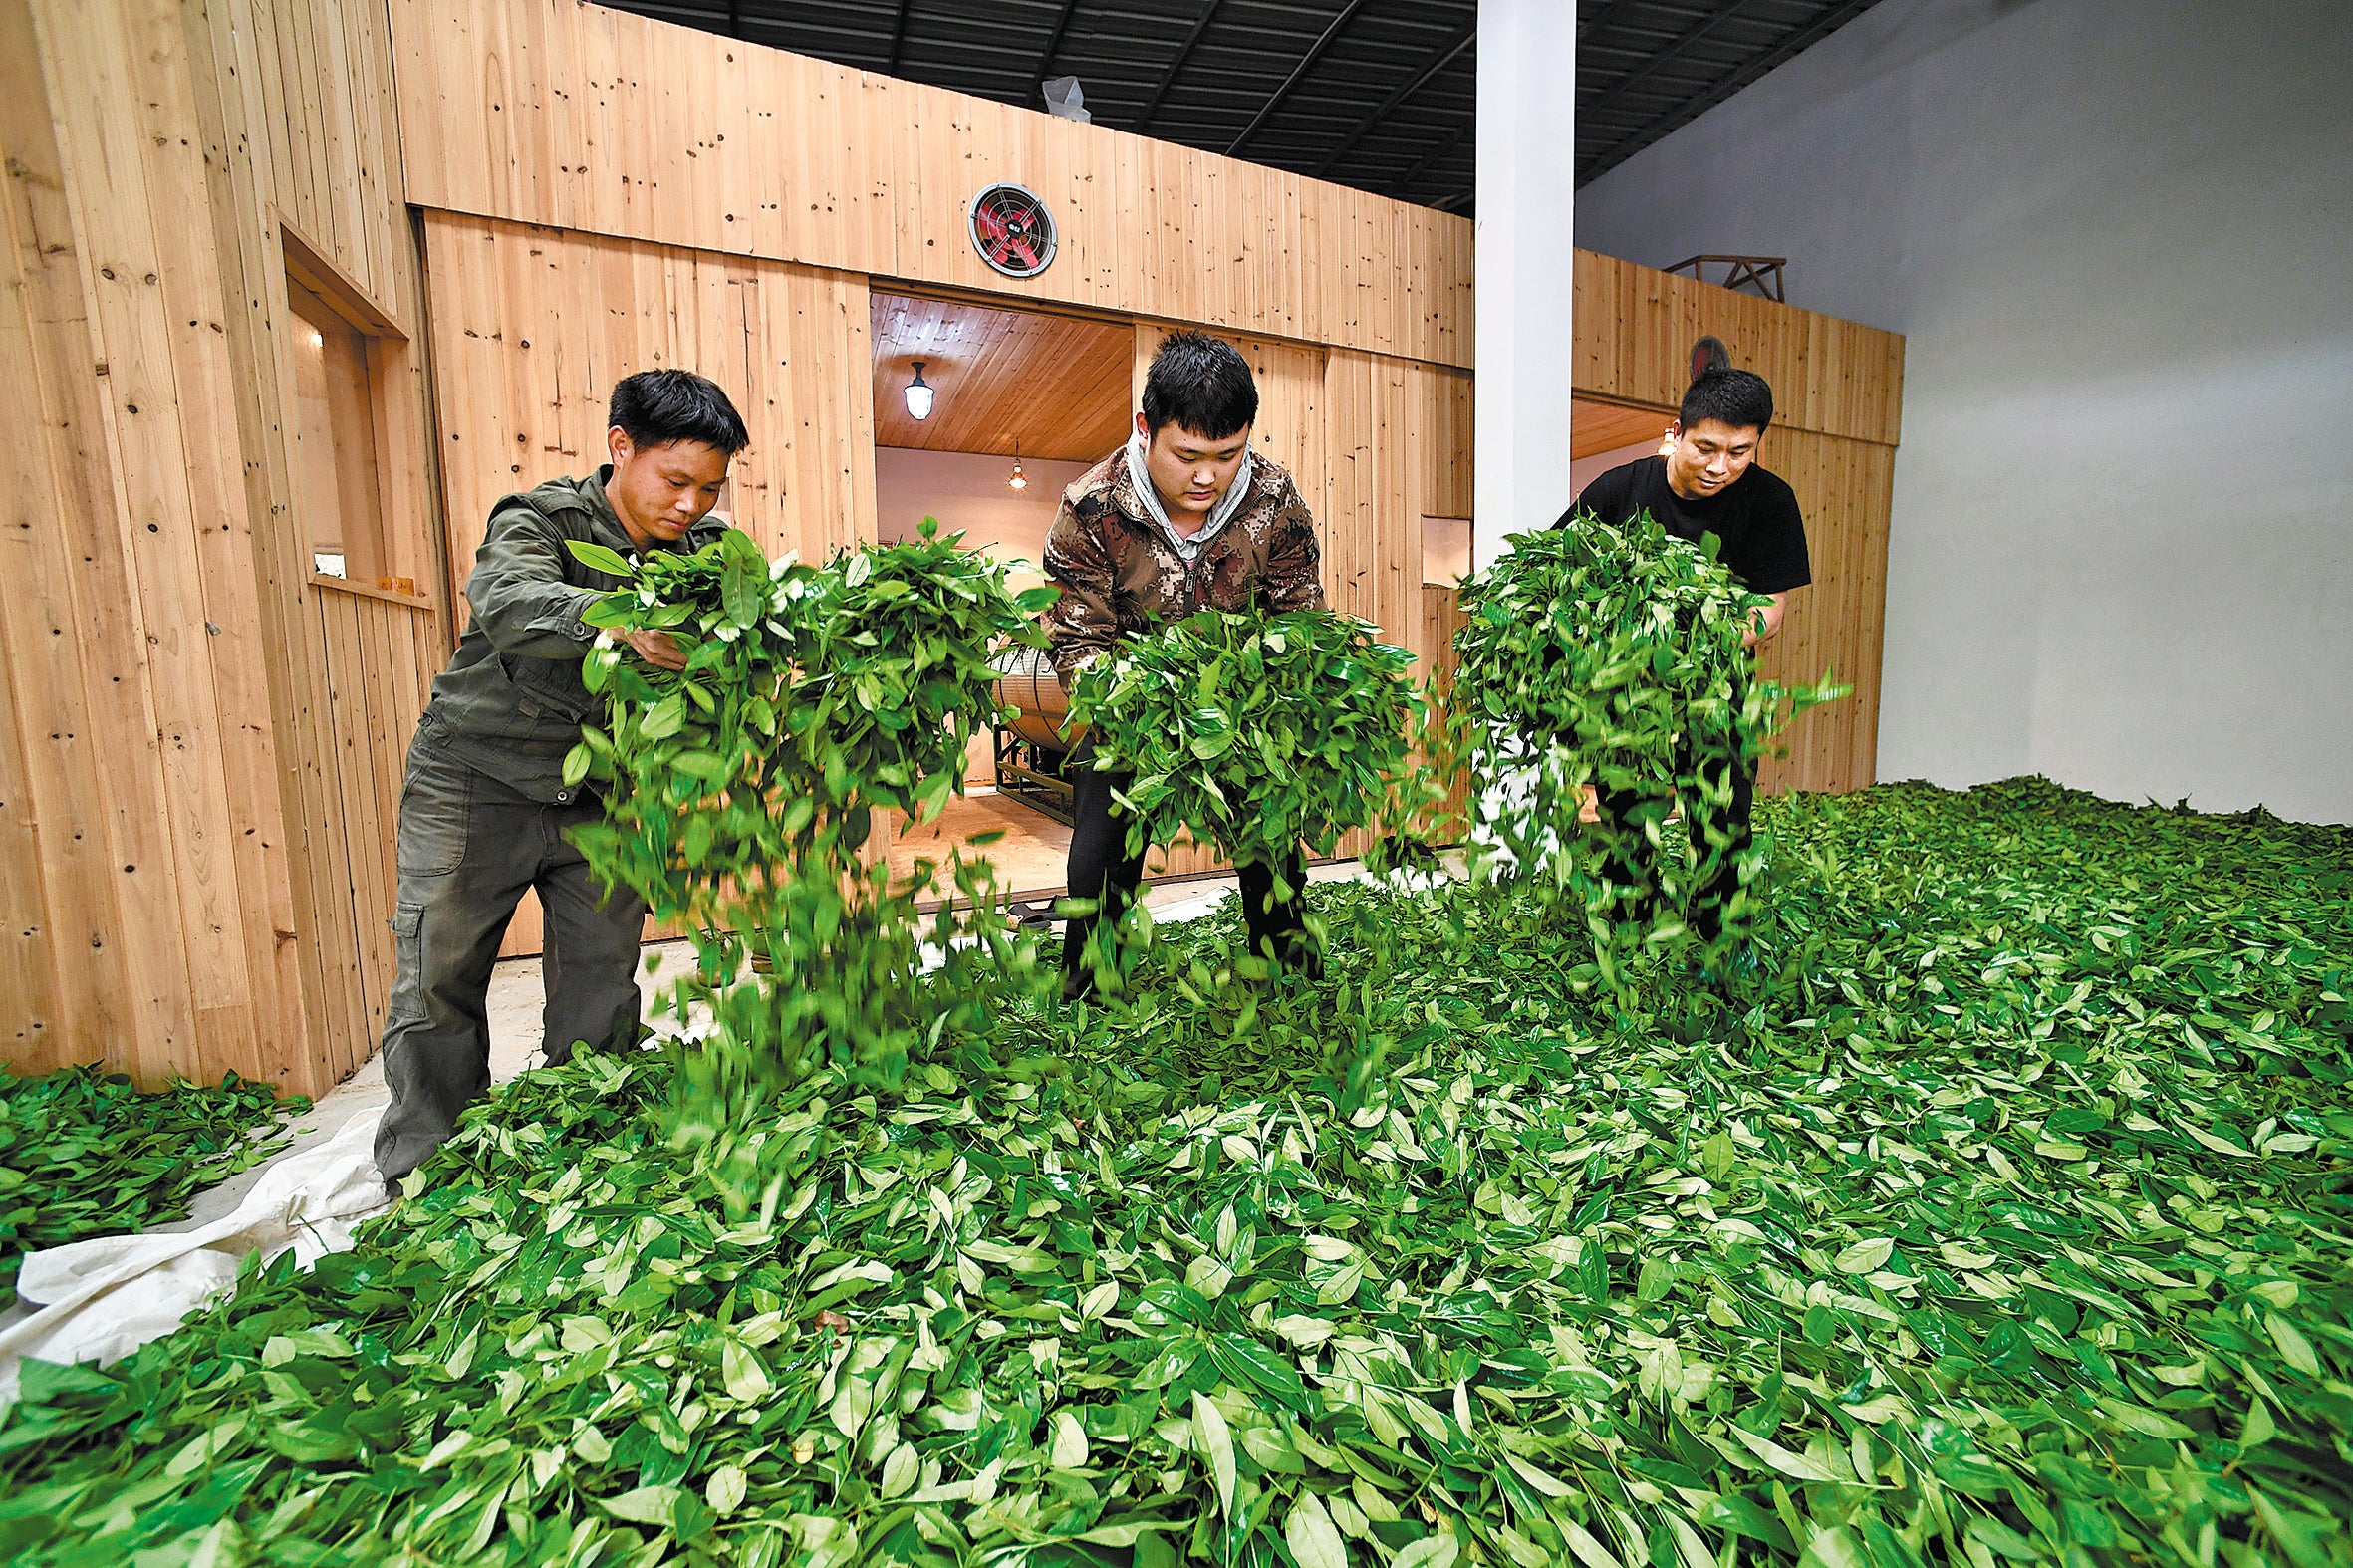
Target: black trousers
(1621,809)
(470,847)
(1102,869)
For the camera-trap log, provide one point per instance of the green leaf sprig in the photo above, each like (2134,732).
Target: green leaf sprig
(1614,659)
(1256,734)
(741,796)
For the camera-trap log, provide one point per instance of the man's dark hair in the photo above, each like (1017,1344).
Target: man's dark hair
(1741,399)
(656,407)
(1199,383)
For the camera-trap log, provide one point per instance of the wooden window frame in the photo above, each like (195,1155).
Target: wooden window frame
(407,564)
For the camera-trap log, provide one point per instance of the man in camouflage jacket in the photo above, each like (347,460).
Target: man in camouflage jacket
(485,814)
(1184,517)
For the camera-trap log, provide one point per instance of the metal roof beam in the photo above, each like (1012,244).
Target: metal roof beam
(1151,105)
(1692,108)
(1455,45)
(1694,34)
(1609,13)
(1315,51)
(1037,79)
(1405,182)
(898,36)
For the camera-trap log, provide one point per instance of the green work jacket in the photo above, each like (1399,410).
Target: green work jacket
(511,703)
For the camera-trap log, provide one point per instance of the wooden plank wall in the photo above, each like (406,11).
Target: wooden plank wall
(380,653)
(576,117)
(532,327)
(169,835)
(1837,395)
(302,134)
(575,159)
(1845,490)
(1635,327)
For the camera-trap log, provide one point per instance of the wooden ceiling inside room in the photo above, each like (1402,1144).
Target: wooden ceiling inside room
(1597,428)
(1060,386)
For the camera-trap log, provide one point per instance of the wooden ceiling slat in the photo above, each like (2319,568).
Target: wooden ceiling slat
(1057,384)
(1596,428)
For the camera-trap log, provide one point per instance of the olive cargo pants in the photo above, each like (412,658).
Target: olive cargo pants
(470,848)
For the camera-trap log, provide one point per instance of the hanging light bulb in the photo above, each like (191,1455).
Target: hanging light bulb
(918,394)
(1020,480)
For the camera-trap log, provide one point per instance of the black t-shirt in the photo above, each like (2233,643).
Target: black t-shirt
(1763,537)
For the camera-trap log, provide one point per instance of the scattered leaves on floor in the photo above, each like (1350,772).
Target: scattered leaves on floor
(83,1154)
(2004,1215)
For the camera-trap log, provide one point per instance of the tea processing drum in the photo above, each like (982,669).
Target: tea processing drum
(1026,682)
(1032,750)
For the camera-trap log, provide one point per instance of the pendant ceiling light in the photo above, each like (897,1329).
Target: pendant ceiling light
(1020,480)
(918,394)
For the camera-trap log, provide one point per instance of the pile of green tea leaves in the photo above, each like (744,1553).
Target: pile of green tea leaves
(83,1154)
(1254,733)
(1614,659)
(2006,1215)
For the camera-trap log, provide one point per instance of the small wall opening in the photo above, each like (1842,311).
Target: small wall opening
(357,508)
(1446,551)
(335,442)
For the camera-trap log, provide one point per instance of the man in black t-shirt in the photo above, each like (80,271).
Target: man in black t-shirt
(1709,483)
(1712,484)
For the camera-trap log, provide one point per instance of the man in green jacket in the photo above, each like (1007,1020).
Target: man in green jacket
(486,813)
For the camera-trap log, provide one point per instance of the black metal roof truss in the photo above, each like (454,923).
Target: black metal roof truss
(1380,94)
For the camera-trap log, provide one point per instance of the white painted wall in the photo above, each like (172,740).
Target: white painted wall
(1527,73)
(967,492)
(2118,237)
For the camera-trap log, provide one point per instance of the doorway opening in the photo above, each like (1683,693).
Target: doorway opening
(1607,435)
(1008,407)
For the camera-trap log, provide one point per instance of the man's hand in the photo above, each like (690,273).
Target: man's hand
(657,648)
(1772,615)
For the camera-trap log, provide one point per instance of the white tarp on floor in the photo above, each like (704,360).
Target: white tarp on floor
(102,1299)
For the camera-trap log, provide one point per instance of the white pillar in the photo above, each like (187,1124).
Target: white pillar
(1527,146)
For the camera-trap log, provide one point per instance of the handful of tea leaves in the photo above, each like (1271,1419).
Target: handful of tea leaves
(1257,733)
(1614,659)
(742,791)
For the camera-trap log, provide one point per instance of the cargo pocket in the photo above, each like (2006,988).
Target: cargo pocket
(406,1004)
(435,803)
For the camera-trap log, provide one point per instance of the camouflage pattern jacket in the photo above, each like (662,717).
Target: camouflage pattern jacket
(1121,576)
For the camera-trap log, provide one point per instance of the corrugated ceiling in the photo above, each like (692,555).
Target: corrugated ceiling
(1379,95)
